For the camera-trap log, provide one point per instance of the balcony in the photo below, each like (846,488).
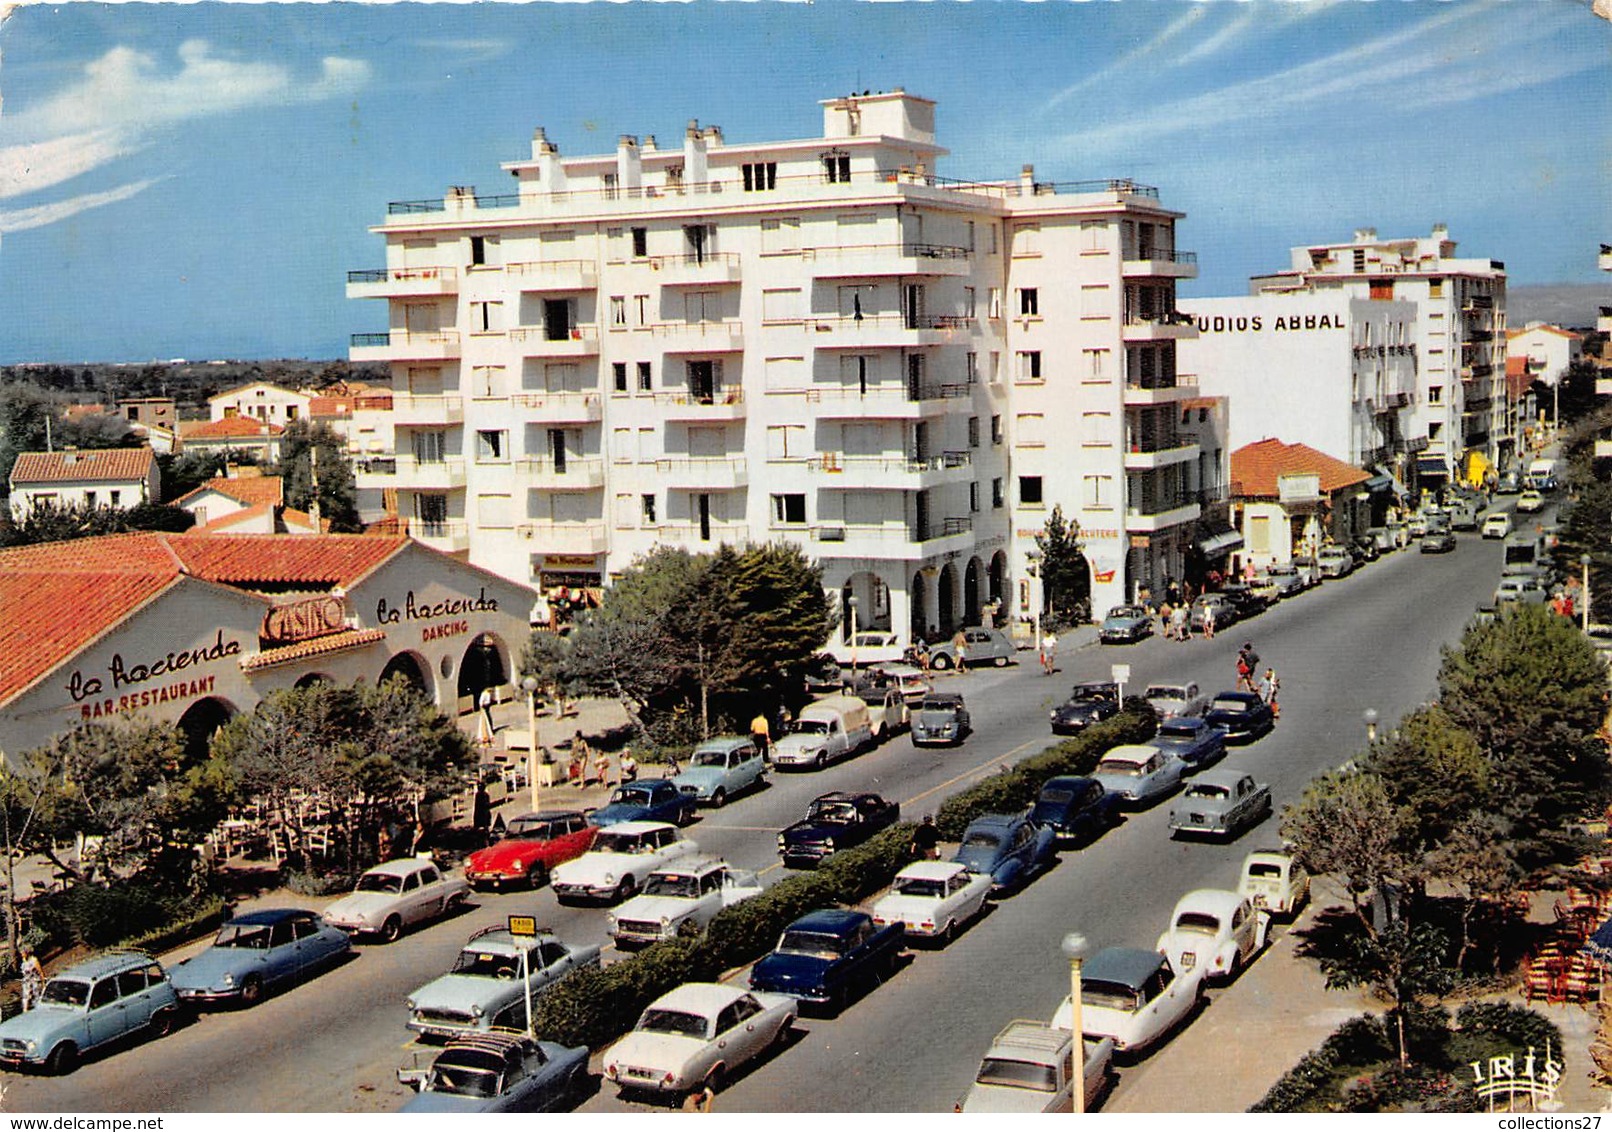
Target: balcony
(1603,322)
(405,346)
(1164,327)
(705,534)
(402,282)
(1153,263)
(543,342)
(375,473)
(543,473)
(427,409)
(703,473)
(451,536)
(890,541)
(888,402)
(426,475)
(558,408)
(723,336)
(711,269)
(549,537)
(1145,392)
(857,261)
(896,473)
(556,276)
(716,405)
(1148,457)
(872,331)
(1147,516)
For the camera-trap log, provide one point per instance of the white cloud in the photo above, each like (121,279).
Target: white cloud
(21,219)
(38,165)
(469,50)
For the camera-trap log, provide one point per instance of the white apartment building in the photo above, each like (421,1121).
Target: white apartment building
(1549,350)
(816,341)
(259,401)
(1460,331)
(1320,368)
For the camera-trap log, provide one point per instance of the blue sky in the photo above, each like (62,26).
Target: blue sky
(196,180)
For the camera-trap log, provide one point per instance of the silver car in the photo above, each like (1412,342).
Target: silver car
(982,646)
(1220,803)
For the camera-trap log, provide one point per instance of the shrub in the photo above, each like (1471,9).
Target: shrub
(1486,1029)
(319,884)
(205,917)
(1309,1085)
(596,1005)
(101,917)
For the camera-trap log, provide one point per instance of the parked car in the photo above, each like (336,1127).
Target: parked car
(1008,848)
(486,987)
(1214,930)
(257,951)
(531,846)
(833,822)
(869,647)
(1076,809)
(1274,881)
(1224,611)
(1280,580)
(1133,996)
(89,1005)
(1309,569)
(887,708)
(1221,803)
(647,799)
(908,679)
(827,730)
(1519,590)
(1463,516)
(679,900)
(498,1073)
(983,646)
(941,718)
(1194,740)
(1530,502)
(1438,541)
(1124,625)
(1244,600)
(827,956)
(721,768)
(1139,773)
(1334,562)
(1243,716)
(1030,1068)
(621,859)
(1509,483)
(823,674)
(1172,700)
(931,898)
(697,1036)
(1497,524)
(1416,525)
(397,895)
(1087,704)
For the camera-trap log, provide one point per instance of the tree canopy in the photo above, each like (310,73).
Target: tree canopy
(1065,576)
(337,487)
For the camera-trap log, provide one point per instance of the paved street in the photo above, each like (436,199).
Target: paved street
(1371,640)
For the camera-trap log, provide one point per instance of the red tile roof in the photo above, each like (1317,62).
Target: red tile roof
(284,560)
(229,428)
(319,646)
(1545,328)
(131,464)
(234,519)
(249,490)
(1256,468)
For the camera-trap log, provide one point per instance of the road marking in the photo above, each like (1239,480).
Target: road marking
(995,762)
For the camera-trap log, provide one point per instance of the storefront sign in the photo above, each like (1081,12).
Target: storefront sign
(150,697)
(123,673)
(303,620)
(446,629)
(1225,323)
(412,610)
(588,562)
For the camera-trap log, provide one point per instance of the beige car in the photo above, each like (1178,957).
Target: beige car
(395,895)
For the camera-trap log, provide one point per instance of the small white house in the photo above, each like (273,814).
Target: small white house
(96,477)
(1550,350)
(260,401)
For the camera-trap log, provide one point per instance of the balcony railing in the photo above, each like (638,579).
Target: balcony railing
(1159,318)
(840,462)
(891,391)
(1159,255)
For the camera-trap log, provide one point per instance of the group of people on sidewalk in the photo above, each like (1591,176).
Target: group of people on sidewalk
(1266,687)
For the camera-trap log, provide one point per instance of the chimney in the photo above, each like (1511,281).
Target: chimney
(1365,235)
(629,165)
(1027,180)
(649,143)
(695,170)
(546,156)
(713,136)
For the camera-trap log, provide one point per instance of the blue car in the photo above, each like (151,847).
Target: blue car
(1243,716)
(499,1072)
(1005,847)
(91,1004)
(257,951)
(1075,808)
(825,957)
(648,799)
(1196,742)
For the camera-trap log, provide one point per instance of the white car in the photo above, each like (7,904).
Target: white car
(1171,700)
(394,895)
(868,647)
(1133,996)
(698,1035)
(1030,1068)
(680,900)
(1274,881)
(1497,525)
(1216,930)
(1529,502)
(620,861)
(932,898)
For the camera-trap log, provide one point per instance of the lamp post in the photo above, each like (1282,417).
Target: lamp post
(1585,562)
(851,602)
(1074,948)
(1034,559)
(1370,716)
(529,685)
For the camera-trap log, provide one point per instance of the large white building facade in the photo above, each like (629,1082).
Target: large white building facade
(816,341)
(1460,337)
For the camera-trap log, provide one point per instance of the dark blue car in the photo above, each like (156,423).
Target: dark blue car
(826,956)
(257,951)
(1075,808)
(1243,716)
(1005,847)
(648,799)
(499,1072)
(1196,742)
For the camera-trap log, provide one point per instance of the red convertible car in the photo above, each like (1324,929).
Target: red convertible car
(532,845)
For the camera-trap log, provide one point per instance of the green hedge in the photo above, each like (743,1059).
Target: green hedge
(208,915)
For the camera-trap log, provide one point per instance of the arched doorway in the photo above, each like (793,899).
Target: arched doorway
(971,592)
(410,667)
(946,589)
(313,678)
(484,665)
(200,720)
(872,598)
(996,577)
(918,621)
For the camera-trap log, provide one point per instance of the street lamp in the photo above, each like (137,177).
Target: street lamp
(1074,948)
(529,685)
(1370,717)
(1034,559)
(1585,562)
(851,602)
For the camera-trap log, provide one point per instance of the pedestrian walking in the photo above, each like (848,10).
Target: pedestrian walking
(579,759)
(1247,667)
(481,813)
(1208,620)
(485,702)
(1269,686)
(1049,654)
(1180,627)
(629,766)
(926,839)
(33,978)
(761,734)
(960,647)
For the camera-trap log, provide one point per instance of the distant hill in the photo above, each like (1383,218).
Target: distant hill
(1570,305)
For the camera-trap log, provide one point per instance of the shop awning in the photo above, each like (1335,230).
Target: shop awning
(1220,542)
(1432,466)
(1379,483)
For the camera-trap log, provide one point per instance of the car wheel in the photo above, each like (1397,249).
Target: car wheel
(251,990)
(714,1079)
(626,888)
(537,876)
(948,933)
(1001,662)
(162,1023)
(822,761)
(785,1032)
(391,929)
(62,1060)
(719,798)
(941,663)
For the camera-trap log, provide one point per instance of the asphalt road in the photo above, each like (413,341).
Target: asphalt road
(1371,640)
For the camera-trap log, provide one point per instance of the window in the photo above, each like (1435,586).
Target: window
(1099,492)
(836,168)
(971,367)
(1435,394)
(783,304)
(1029,362)
(787,442)
(478,250)
(1435,288)
(968,302)
(640,242)
(1097,364)
(973,432)
(785,373)
(641,309)
(1259,534)
(612,186)
(1093,234)
(996,428)
(1027,239)
(1030,491)
(114,498)
(1030,301)
(974,497)
(621,445)
(968,239)
(492,446)
(486,316)
(759,175)
(644,384)
(618,374)
(618,310)
(1028,430)
(647,504)
(1097,429)
(993,298)
(789,509)
(997,498)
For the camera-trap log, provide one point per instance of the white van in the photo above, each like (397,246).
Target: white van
(831,728)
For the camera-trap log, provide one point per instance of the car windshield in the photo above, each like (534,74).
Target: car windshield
(834,813)
(1229,705)
(819,945)
(1091,692)
(1123,612)
(681,884)
(1280,571)
(938,705)
(486,964)
(608,842)
(1120,769)
(253,937)
(1202,923)
(809,727)
(1014,1074)
(1057,795)
(1265,872)
(1114,996)
(1164,692)
(631,796)
(379,882)
(1182,730)
(66,992)
(463,1081)
(529,828)
(1207,790)
(674,1022)
(922,886)
(710,758)
(981,839)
